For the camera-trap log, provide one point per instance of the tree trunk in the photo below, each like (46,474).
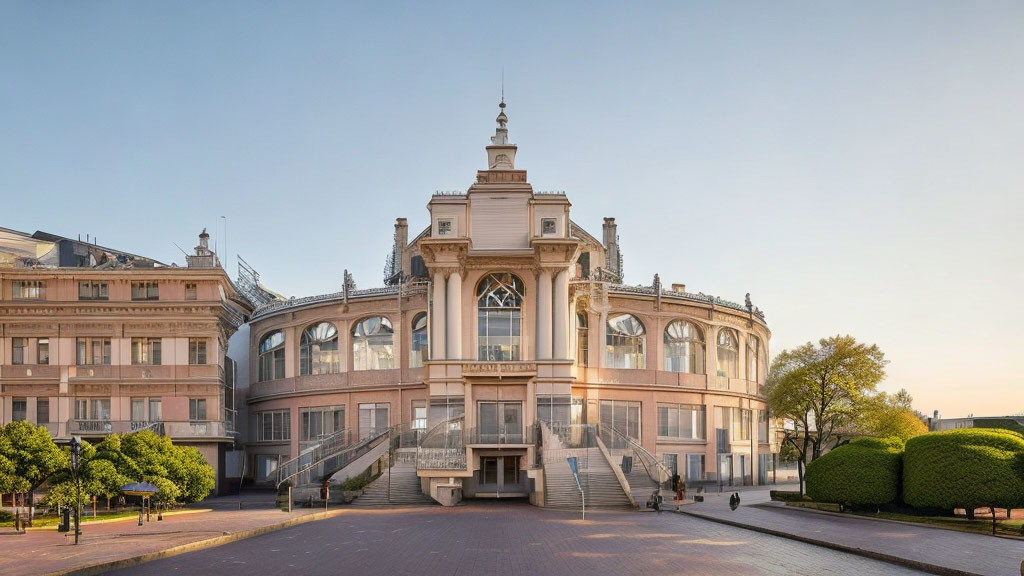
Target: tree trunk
(800,474)
(993,520)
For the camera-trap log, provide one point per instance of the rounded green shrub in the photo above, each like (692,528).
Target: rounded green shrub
(865,472)
(967,468)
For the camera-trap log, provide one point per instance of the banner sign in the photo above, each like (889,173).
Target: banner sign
(575,471)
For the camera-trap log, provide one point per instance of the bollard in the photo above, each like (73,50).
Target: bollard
(140,517)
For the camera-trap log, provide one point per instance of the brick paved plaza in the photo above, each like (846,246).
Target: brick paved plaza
(513,538)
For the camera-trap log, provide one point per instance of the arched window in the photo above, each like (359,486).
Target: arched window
(582,343)
(753,358)
(625,342)
(499,317)
(318,349)
(272,356)
(684,348)
(728,346)
(418,352)
(373,342)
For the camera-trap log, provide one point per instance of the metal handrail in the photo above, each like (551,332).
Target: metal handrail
(307,458)
(443,446)
(616,439)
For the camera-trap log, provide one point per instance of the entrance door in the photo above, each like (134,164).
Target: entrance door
(499,474)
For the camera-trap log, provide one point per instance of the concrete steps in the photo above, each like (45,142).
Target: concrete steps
(404,489)
(599,483)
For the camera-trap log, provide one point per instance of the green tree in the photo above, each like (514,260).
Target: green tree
(892,415)
(32,454)
(823,391)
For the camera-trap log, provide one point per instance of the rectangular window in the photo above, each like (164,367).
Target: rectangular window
(19,409)
(694,467)
(145,291)
(146,351)
(43,351)
(682,421)
(500,423)
(190,291)
(92,409)
(445,408)
(93,291)
(18,346)
(92,351)
(554,408)
(197,409)
(320,421)
(736,423)
(419,414)
(445,226)
(373,419)
(29,289)
(156,413)
(622,416)
(547,226)
(42,411)
(81,409)
(197,351)
(762,426)
(273,426)
(671,462)
(139,410)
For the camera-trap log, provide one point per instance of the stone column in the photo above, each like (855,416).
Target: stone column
(561,329)
(454,316)
(544,315)
(437,318)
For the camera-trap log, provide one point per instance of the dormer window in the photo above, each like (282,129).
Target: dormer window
(445,227)
(548,227)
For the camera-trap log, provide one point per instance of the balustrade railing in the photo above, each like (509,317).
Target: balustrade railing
(307,458)
(443,446)
(518,436)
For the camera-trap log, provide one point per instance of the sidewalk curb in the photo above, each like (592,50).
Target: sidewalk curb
(889,520)
(193,546)
(913,564)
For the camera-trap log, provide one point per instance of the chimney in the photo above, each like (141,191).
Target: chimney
(679,287)
(401,235)
(611,247)
(204,240)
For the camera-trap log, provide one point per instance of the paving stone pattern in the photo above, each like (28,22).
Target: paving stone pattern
(515,539)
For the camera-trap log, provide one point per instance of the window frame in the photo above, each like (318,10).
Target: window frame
(369,349)
(147,351)
(692,347)
(419,342)
(616,339)
(145,290)
(197,351)
(314,357)
(270,358)
(95,290)
(28,290)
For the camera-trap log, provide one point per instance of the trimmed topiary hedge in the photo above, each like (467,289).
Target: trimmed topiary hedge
(865,472)
(967,468)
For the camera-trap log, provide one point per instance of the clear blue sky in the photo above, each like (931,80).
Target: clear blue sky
(857,167)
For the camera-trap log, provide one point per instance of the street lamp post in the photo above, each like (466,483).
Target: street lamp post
(76,450)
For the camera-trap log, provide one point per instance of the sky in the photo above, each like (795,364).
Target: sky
(857,167)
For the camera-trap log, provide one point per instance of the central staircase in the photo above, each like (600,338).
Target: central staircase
(399,485)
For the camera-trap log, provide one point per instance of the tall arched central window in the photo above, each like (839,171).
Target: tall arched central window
(753,358)
(272,356)
(499,317)
(728,346)
(625,342)
(373,344)
(418,350)
(684,348)
(318,349)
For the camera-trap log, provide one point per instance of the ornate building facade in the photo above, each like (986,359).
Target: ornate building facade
(96,341)
(503,337)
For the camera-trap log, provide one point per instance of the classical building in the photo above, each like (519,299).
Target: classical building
(503,342)
(95,341)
